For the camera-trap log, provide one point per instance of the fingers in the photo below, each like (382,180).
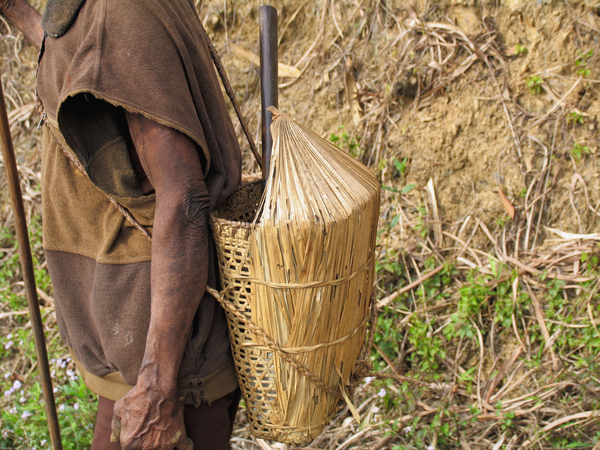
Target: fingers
(115,435)
(185,444)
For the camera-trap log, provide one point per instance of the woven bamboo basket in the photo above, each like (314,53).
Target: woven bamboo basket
(297,267)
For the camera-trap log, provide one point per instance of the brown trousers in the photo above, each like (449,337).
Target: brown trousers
(208,426)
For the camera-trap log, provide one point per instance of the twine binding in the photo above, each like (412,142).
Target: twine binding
(270,343)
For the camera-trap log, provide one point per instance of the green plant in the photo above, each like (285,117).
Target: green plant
(579,150)
(581,63)
(22,414)
(399,171)
(519,50)
(400,165)
(405,190)
(507,421)
(24,420)
(472,296)
(575,117)
(534,83)
(501,221)
(346,142)
(592,262)
(421,227)
(387,337)
(427,349)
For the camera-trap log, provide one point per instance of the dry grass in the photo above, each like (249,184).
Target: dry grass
(489,327)
(312,259)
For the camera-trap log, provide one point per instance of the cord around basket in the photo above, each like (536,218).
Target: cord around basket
(261,334)
(313,284)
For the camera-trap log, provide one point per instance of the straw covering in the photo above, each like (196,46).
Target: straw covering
(300,306)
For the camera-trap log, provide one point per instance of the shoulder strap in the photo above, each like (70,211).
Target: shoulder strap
(230,93)
(117,205)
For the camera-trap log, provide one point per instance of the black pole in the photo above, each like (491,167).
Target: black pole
(268,78)
(14,187)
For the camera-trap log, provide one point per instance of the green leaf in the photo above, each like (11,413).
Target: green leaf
(391,189)
(409,187)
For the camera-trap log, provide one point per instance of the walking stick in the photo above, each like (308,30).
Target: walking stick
(268,78)
(12,177)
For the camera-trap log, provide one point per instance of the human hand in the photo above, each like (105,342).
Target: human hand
(146,419)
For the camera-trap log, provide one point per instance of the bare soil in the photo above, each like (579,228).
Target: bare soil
(441,84)
(480,117)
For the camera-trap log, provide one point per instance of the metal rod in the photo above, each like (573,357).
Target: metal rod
(268,78)
(12,177)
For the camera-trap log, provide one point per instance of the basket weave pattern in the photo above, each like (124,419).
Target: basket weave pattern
(255,361)
(254,366)
(298,281)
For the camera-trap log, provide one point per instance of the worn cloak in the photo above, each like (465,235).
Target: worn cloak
(148,57)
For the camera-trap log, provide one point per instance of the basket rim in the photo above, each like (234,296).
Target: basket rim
(233,223)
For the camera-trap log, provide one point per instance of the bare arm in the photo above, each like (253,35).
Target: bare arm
(150,413)
(25,18)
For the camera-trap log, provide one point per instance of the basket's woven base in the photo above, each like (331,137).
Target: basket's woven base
(254,365)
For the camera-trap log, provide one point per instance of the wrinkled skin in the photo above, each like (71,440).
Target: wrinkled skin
(166,161)
(150,415)
(148,420)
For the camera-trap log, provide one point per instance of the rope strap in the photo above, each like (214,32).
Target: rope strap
(117,205)
(262,335)
(312,348)
(231,94)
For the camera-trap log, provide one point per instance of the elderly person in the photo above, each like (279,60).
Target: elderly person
(134,121)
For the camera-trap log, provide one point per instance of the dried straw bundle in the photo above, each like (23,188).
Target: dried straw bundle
(312,268)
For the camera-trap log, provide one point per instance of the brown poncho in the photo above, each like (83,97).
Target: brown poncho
(148,57)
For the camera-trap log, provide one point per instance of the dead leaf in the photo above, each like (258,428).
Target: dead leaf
(510,209)
(283,70)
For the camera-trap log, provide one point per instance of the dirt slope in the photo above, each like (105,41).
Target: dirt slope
(480,118)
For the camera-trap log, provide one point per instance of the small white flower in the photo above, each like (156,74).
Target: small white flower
(9,336)
(43,442)
(9,392)
(61,408)
(17,385)
(430,447)
(76,406)
(6,375)
(407,429)
(375,410)
(8,345)
(55,390)
(382,393)
(26,414)
(22,399)
(368,380)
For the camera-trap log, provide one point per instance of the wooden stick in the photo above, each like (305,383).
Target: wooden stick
(268,79)
(12,176)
